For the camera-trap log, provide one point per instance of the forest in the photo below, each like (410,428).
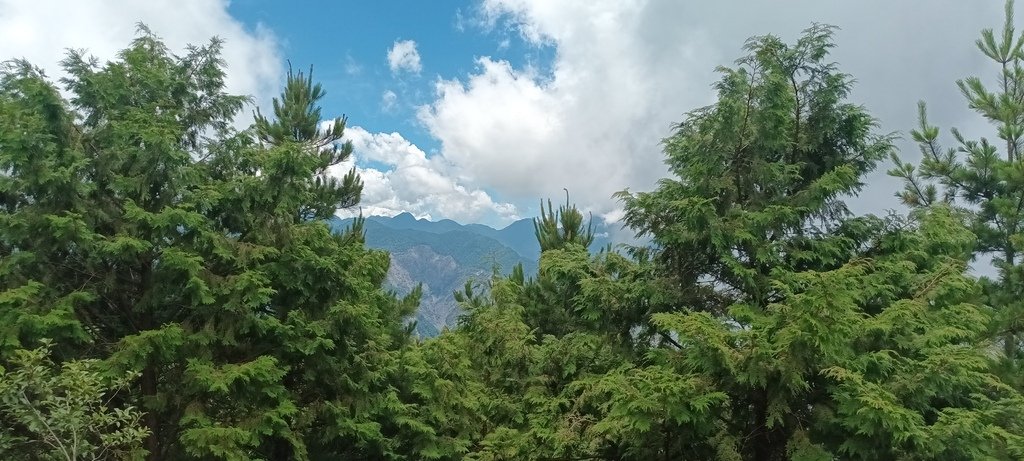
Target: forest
(170,287)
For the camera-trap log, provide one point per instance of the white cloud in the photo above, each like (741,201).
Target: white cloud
(592,125)
(403,57)
(413,182)
(625,71)
(388,100)
(41,31)
(614,216)
(352,67)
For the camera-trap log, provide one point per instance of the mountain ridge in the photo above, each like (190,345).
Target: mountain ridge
(443,255)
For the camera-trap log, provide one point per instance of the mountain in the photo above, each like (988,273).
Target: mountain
(518,236)
(443,255)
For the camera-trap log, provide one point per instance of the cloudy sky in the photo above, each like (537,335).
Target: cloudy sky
(474,110)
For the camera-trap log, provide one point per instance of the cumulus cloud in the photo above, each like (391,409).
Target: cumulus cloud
(410,181)
(625,71)
(42,30)
(403,57)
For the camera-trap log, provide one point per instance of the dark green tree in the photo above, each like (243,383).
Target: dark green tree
(786,328)
(297,119)
(523,342)
(759,177)
(518,382)
(139,227)
(561,235)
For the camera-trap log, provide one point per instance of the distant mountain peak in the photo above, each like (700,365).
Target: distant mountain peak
(403,216)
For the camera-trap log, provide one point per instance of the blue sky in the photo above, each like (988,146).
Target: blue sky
(498,104)
(349,52)
(349,56)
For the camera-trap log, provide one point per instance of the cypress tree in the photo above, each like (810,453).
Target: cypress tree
(139,227)
(790,329)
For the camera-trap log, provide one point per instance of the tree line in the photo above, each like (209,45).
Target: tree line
(170,290)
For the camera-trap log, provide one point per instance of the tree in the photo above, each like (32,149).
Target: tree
(61,412)
(555,230)
(562,237)
(297,120)
(522,344)
(881,358)
(786,327)
(988,184)
(518,382)
(138,226)
(759,176)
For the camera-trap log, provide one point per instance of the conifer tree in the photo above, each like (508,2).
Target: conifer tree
(524,343)
(555,230)
(138,227)
(787,328)
(759,177)
(562,237)
(297,119)
(985,178)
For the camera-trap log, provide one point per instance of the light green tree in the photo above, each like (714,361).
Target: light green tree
(985,178)
(67,411)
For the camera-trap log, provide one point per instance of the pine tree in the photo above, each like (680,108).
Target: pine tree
(523,343)
(297,120)
(520,383)
(555,230)
(986,179)
(138,227)
(564,243)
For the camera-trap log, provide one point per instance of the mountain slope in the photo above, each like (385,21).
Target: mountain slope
(443,255)
(440,255)
(519,236)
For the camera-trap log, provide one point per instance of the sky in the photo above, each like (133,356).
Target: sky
(475,110)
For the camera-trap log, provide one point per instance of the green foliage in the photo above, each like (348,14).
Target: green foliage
(984,182)
(765,323)
(297,120)
(555,230)
(528,405)
(51,411)
(824,333)
(137,225)
(759,177)
(881,358)
(179,271)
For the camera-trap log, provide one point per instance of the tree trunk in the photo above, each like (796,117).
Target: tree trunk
(768,444)
(151,421)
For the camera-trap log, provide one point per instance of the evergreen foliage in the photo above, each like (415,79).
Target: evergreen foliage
(170,287)
(140,227)
(766,322)
(555,230)
(986,180)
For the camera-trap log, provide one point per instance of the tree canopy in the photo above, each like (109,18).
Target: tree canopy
(170,288)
